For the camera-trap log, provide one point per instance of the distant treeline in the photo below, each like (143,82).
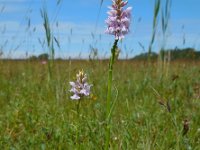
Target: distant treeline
(43,56)
(172,54)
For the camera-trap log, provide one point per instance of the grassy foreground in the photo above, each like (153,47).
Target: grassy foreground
(150,109)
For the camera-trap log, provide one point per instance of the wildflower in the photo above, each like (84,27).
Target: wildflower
(118,20)
(80,87)
(44,62)
(115,138)
(118,23)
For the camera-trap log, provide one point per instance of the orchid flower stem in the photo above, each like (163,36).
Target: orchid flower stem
(78,121)
(109,93)
(77,107)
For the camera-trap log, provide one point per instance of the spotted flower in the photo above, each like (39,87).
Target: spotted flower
(80,87)
(118,20)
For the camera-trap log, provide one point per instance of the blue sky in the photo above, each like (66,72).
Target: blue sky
(75,23)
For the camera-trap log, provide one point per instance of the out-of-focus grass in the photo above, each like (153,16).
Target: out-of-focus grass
(37,114)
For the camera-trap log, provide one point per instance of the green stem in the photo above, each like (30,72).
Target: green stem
(78,121)
(109,93)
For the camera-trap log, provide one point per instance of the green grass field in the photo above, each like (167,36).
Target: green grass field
(149,113)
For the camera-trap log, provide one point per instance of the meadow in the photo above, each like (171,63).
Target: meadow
(155,109)
(148,103)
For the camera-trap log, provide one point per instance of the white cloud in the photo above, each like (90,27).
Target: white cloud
(79,40)
(82,31)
